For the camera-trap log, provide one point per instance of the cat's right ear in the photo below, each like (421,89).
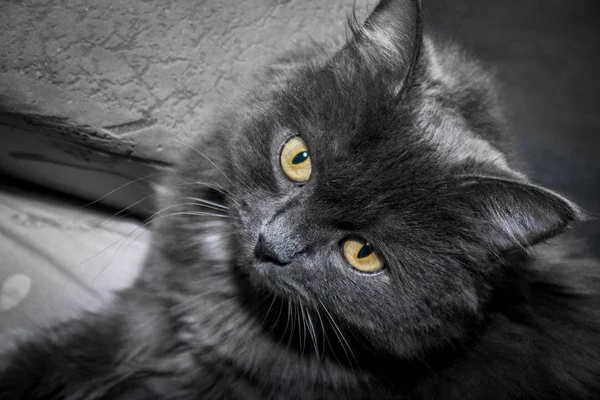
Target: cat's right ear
(508,214)
(388,43)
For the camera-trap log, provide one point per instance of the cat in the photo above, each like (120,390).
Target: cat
(354,227)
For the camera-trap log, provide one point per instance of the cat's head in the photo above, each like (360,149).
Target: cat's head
(372,182)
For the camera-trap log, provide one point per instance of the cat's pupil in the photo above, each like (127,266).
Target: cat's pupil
(300,157)
(365,251)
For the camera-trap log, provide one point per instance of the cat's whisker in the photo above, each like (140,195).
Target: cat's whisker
(297,323)
(278,316)
(323,331)
(147,221)
(287,322)
(118,213)
(214,186)
(302,332)
(340,335)
(329,344)
(152,218)
(313,334)
(218,187)
(345,344)
(268,311)
(193,204)
(209,207)
(197,213)
(143,224)
(191,213)
(292,321)
(198,202)
(106,221)
(205,156)
(123,210)
(214,205)
(119,188)
(262,301)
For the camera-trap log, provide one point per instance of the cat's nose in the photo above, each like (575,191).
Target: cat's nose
(273,250)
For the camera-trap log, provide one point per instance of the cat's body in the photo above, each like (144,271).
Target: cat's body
(408,151)
(145,351)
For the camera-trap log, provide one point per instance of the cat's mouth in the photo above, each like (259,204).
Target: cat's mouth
(276,278)
(272,254)
(272,258)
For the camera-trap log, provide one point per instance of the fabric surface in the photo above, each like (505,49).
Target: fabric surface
(58,258)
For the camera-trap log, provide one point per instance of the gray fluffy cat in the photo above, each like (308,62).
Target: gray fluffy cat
(361,231)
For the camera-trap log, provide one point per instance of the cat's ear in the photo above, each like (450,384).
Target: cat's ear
(390,39)
(507,214)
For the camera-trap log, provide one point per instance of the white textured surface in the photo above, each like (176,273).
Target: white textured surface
(13,291)
(58,258)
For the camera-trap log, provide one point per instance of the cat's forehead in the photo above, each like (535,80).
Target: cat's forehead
(354,128)
(348,112)
(344,112)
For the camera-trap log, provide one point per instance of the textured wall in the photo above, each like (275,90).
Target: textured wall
(164,60)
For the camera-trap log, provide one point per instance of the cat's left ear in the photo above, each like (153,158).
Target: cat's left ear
(388,43)
(507,214)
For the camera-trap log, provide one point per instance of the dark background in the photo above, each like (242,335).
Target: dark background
(546,56)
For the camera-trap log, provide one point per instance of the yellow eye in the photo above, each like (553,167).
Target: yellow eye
(295,160)
(362,255)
